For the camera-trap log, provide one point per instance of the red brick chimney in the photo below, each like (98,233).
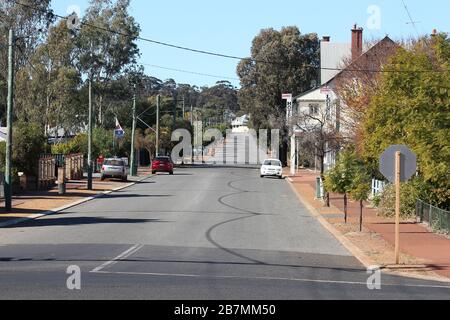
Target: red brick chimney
(357,42)
(326,39)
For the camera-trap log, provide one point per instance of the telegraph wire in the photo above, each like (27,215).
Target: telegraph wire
(221,55)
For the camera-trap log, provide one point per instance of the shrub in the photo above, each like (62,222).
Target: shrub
(409,194)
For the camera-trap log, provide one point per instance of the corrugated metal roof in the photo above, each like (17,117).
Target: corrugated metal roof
(332,56)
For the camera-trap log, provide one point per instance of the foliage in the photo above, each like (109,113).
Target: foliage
(281,62)
(102,144)
(340,178)
(361,187)
(409,193)
(413,108)
(28,143)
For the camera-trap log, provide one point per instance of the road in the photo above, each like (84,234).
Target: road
(204,233)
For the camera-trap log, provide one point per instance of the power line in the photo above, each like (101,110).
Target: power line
(221,55)
(190,72)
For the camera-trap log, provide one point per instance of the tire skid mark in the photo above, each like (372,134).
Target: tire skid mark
(249,214)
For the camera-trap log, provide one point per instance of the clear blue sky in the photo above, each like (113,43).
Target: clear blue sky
(229,26)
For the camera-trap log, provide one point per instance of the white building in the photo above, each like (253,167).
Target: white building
(3,134)
(321,104)
(240,125)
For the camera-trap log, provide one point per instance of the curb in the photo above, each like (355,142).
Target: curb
(68,206)
(353,249)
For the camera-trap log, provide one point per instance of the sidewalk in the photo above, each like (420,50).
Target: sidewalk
(423,253)
(31,205)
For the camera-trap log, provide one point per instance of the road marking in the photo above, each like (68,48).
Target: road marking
(268,279)
(119,258)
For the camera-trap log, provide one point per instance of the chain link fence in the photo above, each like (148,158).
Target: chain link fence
(437,219)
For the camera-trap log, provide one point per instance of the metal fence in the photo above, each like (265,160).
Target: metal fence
(437,219)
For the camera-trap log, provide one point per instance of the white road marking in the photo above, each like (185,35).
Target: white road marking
(269,279)
(119,258)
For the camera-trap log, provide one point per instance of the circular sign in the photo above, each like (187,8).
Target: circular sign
(408,163)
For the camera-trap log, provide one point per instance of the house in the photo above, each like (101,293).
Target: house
(240,124)
(3,134)
(321,106)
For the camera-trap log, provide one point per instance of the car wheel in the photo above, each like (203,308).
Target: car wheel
(125,179)
(153,172)
(262,176)
(102,178)
(171,173)
(280,177)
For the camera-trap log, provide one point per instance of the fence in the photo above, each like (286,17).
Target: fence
(377,187)
(437,219)
(74,166)
(46,172)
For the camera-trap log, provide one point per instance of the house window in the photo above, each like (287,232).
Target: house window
(313,109)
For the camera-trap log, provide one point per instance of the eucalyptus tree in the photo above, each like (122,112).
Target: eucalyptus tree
(107,46)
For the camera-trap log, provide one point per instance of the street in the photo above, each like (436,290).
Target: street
(204,233)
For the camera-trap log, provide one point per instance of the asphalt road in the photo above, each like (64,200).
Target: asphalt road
(204,233)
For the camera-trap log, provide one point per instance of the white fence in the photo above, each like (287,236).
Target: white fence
(377,187)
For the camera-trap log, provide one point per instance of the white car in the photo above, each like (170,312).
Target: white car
(272,168)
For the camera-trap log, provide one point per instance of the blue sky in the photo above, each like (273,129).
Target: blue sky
(229,26)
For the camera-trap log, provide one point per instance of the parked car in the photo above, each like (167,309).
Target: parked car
(272,168)
(114,168)
(162,164)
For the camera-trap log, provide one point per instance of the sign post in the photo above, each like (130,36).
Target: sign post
(398,169)
(289,114)
(398,164)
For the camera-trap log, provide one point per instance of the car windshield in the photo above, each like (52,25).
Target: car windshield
(274,163)
(164,159)
(114,163)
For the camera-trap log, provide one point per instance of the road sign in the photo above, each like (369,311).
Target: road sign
(119,133)
(408,163)
(325,89)
(398,164)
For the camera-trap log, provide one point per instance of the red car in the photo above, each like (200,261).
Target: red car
(162,164)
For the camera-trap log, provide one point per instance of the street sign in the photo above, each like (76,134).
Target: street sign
(408,163)
(398,164)
(119,133)
(287,96)
(325,89)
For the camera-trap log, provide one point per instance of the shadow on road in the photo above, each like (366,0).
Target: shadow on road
(60,221)
(125,195)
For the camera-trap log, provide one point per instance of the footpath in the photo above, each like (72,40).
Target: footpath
(423,254)
(32,205)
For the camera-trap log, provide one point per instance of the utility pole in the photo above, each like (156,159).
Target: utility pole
(133,133)
(192,115)
(89,184)
(183,107)
(8,177)
(158,97)
(175,104)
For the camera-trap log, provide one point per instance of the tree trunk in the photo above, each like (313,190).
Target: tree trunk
(345,207)
(361,206)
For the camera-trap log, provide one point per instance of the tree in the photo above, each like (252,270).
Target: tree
(30,26)
(320,133)
(413,108)
(49,84)
(281,62)
(356,86)
(106,44)
(360,189)
(341,177)
(29,143)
